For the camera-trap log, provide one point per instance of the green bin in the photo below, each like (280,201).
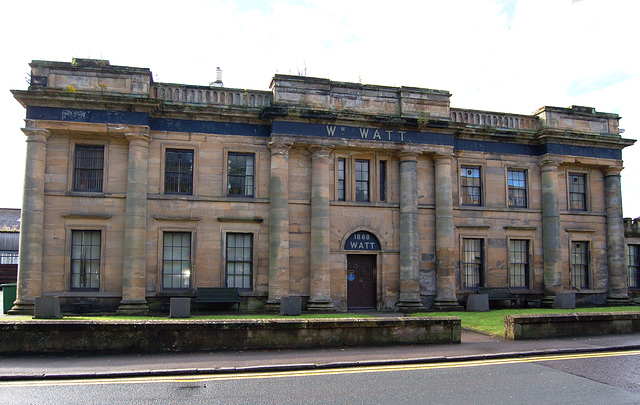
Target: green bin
(8,296)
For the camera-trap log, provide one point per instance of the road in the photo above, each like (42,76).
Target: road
(595,378)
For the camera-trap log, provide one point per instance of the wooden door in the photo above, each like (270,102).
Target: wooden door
(361,282)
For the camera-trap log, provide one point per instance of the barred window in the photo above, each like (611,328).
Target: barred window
(178,171)
(239,266)
(176,260)
(517,184)
(633,263)
(240,175)
(341,179)
(471,185)
(362,180)
(577,192)
(519,263)
(88,166)
(85,260)
(472,263)
(580,264)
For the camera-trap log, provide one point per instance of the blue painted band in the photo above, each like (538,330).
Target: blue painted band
(90,116)
(360,133)
(209,127)
(315,130)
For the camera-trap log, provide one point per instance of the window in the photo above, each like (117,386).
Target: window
(178,171)
(472,263)
(471,186)
(580,264)
(362,180)
(519,263)
(85,260)
(517,185)
(9,257)
(577,192)
(176,260)
(88,165)
(239,272)
(341,179)
(383,180)
(240,174)
(633,263)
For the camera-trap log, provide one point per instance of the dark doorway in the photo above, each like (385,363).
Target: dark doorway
(361,281)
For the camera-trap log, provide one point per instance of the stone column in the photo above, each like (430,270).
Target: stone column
(409,299)
(31,222)
(550,230)
(278,224)
(135,231)
(320,263)
(445,243)
(616,255)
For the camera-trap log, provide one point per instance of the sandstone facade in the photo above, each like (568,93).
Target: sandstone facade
(348,195)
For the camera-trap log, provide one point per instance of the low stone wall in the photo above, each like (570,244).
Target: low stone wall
(56,336)
(520,327)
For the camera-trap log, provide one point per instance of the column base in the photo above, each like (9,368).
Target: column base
(133,308)
(22,307)
(449,305)
(272,304)
(320,304)
(408,306)
(618,300)
(547,301)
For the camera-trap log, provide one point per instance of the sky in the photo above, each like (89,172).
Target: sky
(510,56)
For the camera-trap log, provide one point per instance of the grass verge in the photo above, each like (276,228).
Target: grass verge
(493,321)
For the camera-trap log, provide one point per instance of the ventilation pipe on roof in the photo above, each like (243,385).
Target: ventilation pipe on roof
(218,82)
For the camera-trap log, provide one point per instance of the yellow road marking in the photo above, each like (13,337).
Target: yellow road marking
(315,372)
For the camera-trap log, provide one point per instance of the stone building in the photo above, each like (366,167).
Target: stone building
(348,195)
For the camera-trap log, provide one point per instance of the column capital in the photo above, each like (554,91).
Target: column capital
(278,147)
(549,162)
(137,136)
(37,133)
(320,150)
(612,170)
(440,158)
(408,154)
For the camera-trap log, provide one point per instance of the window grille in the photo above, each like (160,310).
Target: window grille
(88,168)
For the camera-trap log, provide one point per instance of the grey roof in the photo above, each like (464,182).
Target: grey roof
(9,220)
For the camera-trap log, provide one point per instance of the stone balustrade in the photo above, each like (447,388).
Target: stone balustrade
(494,119)
(180,93)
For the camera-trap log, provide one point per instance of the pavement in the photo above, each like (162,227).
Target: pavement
(474,346)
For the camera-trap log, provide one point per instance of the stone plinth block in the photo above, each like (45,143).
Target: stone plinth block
(47,307)
(180,308)
(478,303)
(291,306)
(565,301)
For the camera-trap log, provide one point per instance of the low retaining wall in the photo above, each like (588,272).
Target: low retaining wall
(519,327)
(196,335)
